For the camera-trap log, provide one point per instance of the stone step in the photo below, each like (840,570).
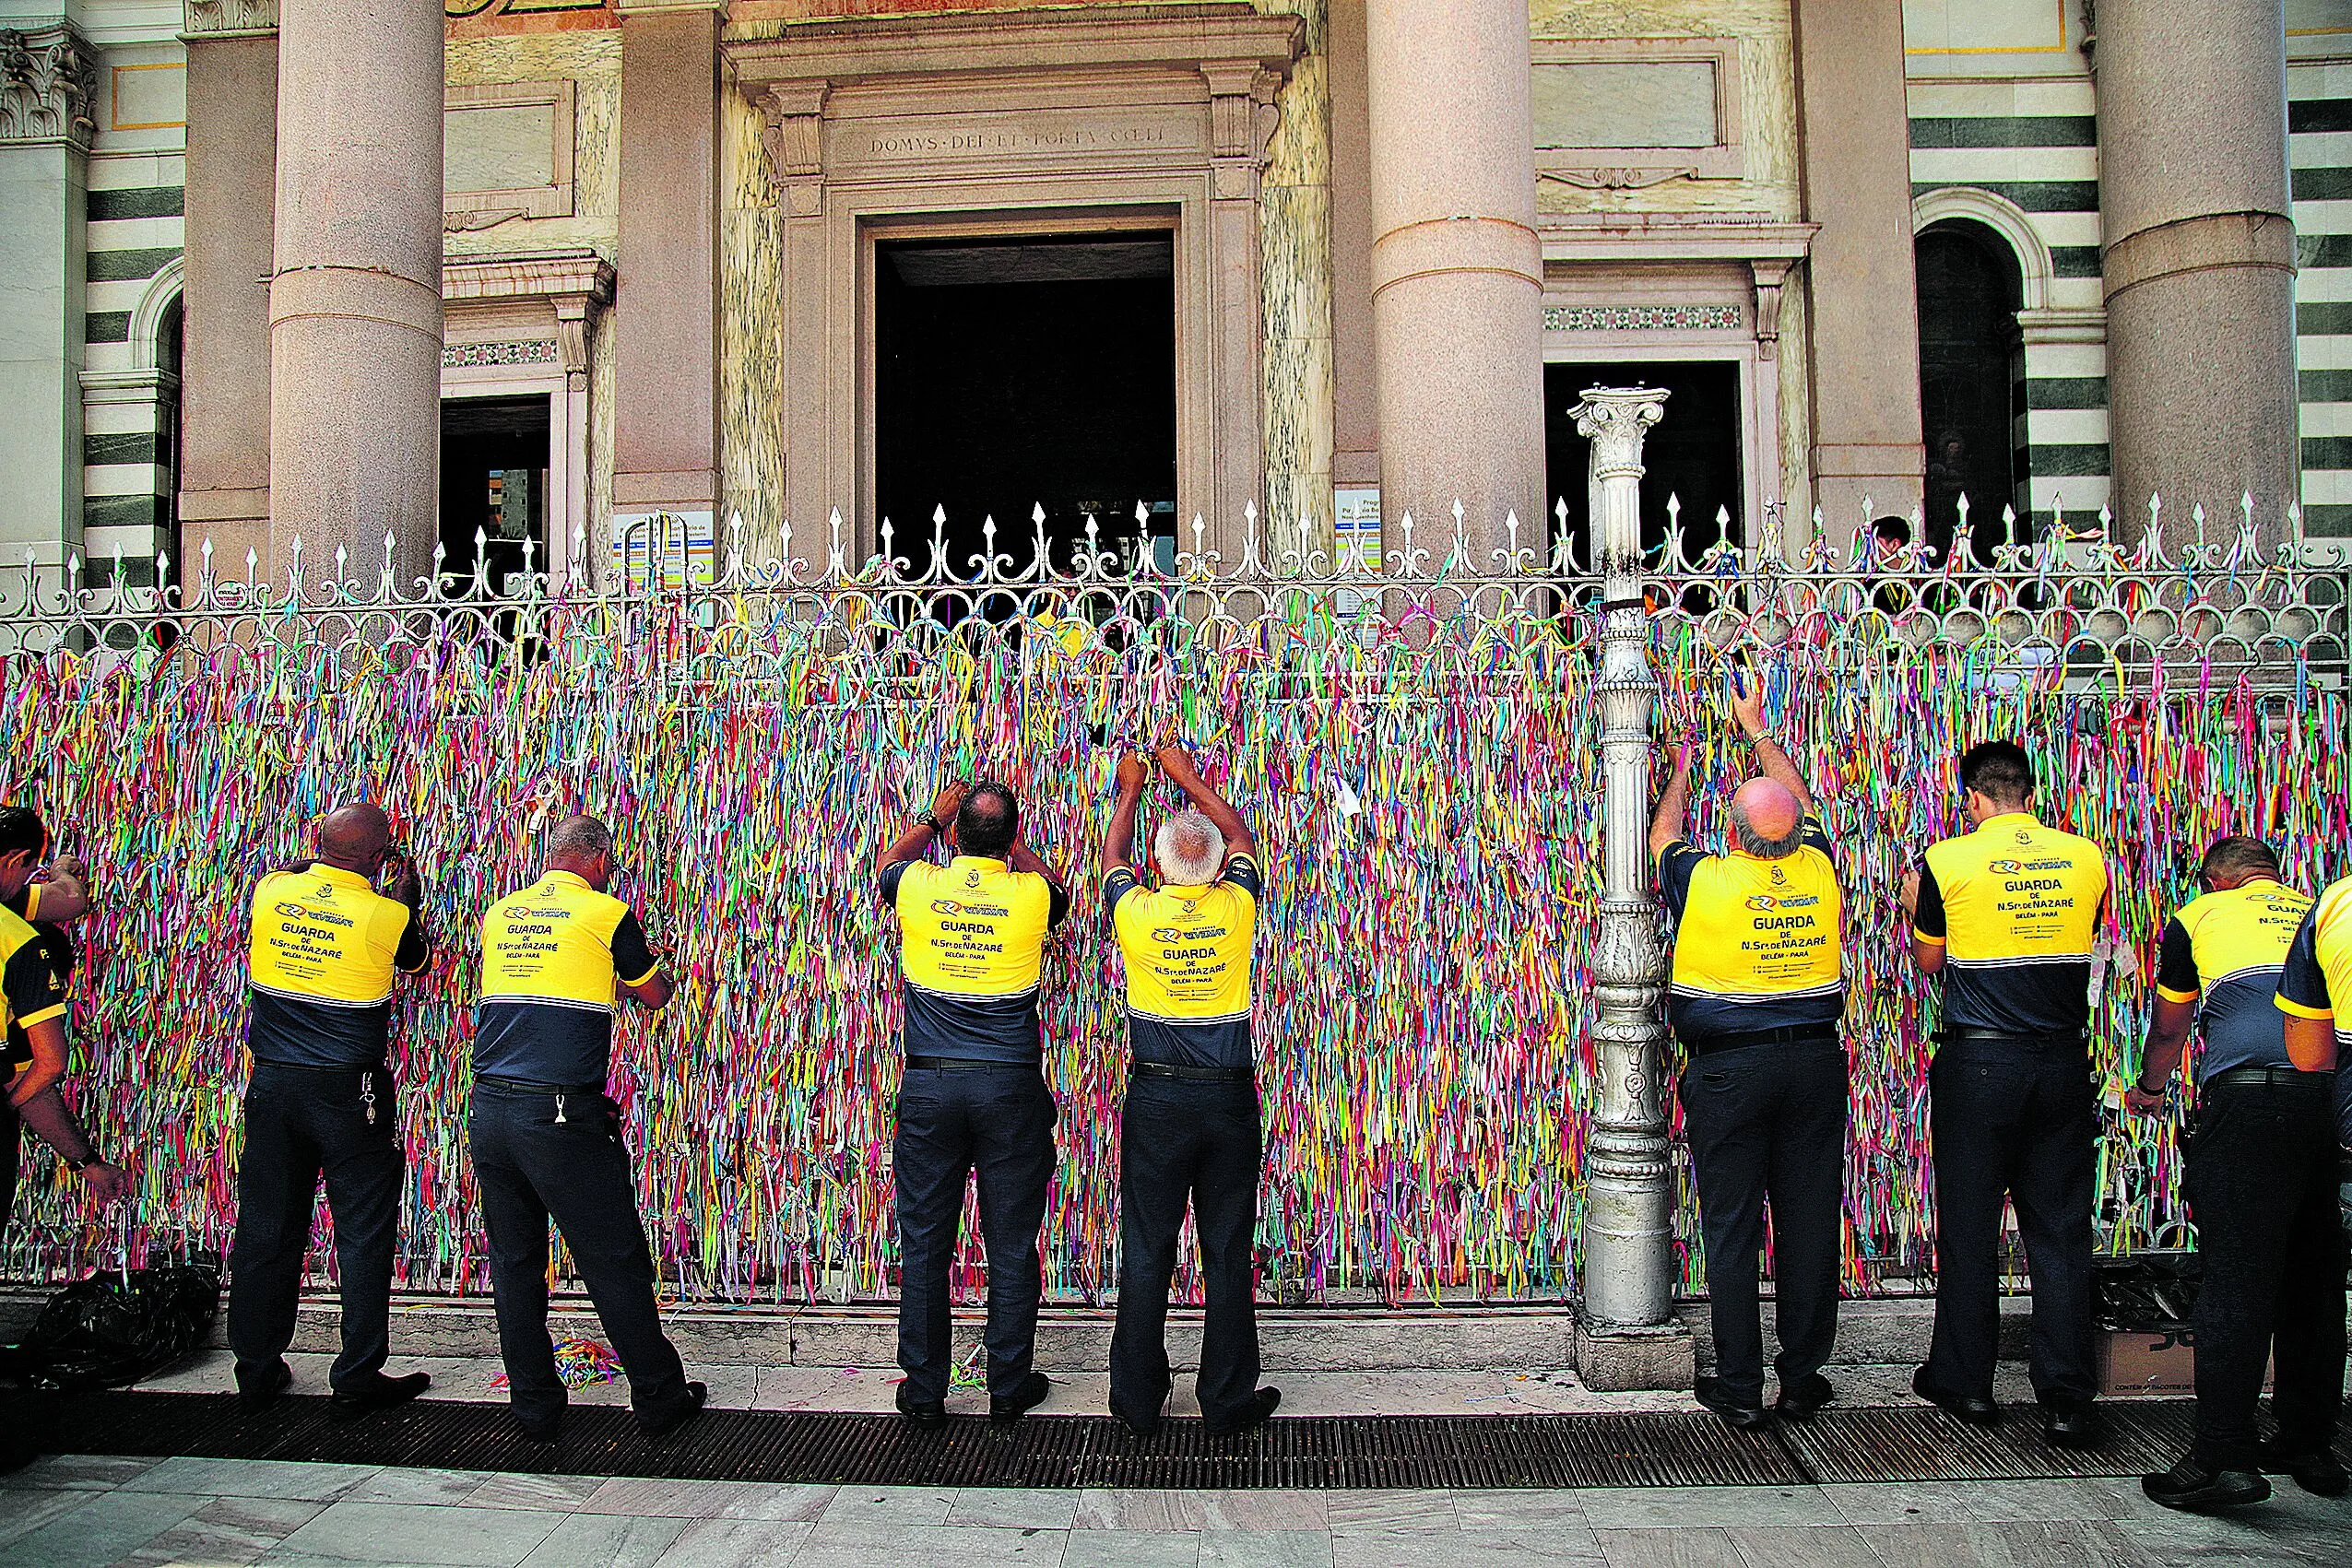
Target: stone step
(1343,1340)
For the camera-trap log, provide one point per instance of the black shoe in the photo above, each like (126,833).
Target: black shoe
(2078,1426)
(1972,1408)
(1739,1417)
(1799,1400)
(381,1394)
(260,1393)
(928,1415)
(1139,1426)
(1006,1409)
(2315,1470)
(547,1431)
(2193,1488)
(677,1413)
(1252,1413)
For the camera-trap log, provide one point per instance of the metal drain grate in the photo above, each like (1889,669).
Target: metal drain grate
(1923,1444)
(1625,1450)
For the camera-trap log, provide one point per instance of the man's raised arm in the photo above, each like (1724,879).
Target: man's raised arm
(1176,762)
(1119,840)
(1747,709)
(1666,822)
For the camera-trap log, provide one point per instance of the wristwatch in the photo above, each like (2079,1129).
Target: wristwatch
(930,819)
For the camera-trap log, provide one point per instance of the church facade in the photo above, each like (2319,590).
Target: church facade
(534,272)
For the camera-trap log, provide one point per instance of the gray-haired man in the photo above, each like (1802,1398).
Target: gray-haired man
(1190,1131)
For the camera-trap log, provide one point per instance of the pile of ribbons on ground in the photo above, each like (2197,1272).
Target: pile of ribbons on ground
(1431,832)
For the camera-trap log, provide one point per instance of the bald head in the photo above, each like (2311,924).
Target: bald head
(582,845)
(354,837)
(1767,821)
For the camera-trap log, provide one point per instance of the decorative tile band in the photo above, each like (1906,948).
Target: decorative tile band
(542,352)
(1642,318)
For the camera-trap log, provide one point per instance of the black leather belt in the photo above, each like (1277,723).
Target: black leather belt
(343,1069)
(965,1065)
(1195,1075)
(1795,1034)
(1964,1035)
(497,1085)
(2293,1077)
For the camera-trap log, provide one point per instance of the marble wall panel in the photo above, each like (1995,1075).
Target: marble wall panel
(1294,266)
(593,61)
(1767,101)
(750,331)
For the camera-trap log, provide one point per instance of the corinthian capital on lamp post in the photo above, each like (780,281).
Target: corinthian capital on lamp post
(1627,1334)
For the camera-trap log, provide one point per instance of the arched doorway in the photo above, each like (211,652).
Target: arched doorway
(1972,383)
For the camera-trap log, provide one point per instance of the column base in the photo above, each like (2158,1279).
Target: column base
(1614,1359)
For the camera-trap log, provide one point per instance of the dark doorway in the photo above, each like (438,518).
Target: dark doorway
(494,483)
(1015,373)
(1971,384)
(1692,456)
(170,342)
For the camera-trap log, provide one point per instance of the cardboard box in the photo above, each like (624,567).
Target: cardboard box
(2163,1362)
(2160,1362)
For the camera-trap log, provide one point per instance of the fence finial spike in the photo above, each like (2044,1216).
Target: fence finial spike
(1142,516)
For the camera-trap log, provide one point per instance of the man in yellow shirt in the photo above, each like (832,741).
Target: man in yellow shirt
(973,1099)
(1757,998)
(324,945)
(546,1137)
(37,972)
(2315,992)
(2261,1156)
(2009,917)
(1189,1133)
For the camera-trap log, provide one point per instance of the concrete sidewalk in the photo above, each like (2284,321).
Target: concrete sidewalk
(87,1513)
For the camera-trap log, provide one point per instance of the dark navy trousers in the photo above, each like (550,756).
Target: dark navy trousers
(2017,1120)
(2261,1188)
(302,1124)
(541,1153)
(1197,1143)
(1767,1123)
(996,1122)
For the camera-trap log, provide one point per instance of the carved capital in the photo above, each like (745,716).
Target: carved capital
(212,19)
(1615,419)
(48,85)
(1242,113)
(794,138)
(1770,275)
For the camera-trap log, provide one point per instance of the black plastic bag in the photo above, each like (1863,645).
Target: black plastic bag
(109,1329)
(2146,1293)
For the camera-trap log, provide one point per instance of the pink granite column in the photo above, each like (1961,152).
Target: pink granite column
(2199,263)
(355,299)
(1455,270)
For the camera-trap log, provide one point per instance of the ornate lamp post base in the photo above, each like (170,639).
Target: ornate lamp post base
(1626,1333)
(1614,1358)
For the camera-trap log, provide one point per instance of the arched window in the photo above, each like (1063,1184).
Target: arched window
(1971,381)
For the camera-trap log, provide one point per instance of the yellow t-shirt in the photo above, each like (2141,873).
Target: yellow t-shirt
(2016,906)
(321,950)
(971,950)
(1758,944)
(1188,953)
(551,957)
